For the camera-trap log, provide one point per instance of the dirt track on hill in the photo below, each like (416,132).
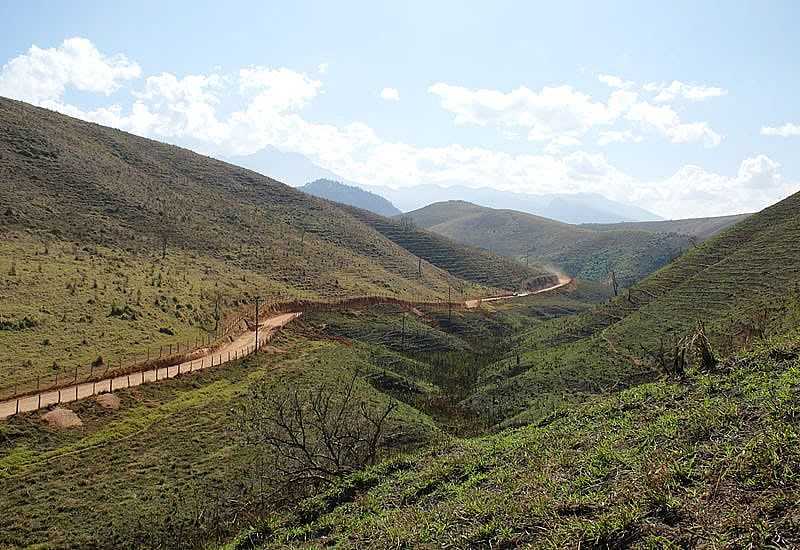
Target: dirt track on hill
(202,358)
(242,345)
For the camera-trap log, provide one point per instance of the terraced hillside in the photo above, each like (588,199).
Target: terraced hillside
(466,262)
(701,228)
(578,251)
(112,244)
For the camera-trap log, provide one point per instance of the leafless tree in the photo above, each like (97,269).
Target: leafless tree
(315,435)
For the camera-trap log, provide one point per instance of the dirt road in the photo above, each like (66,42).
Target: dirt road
(241,346)
(471,304)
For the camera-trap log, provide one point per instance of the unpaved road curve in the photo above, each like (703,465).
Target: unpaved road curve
(471,304)
(241,346)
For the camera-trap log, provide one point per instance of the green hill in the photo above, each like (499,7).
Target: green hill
(741,284)
(577,250)
(112,244)
(469,263)
(351,195)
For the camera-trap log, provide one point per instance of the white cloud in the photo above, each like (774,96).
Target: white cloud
(676,89)
(787,130)
(615,82)
(267,104)
(322,68)
(694,192)
(41,76)
(665,121)
(553,112)
(390,94)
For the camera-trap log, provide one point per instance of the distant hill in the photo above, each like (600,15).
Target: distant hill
(565,207)
(465,262)
(350,195)
(577,250)
(287,167)
(702,228)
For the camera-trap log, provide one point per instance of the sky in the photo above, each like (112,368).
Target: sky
(684,108)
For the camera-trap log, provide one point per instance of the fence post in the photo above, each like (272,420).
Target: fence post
(39,404)
(129,380)
(76,392)
(76,375)
(111,384)
(94,386)
(142,377)
(17,406)
(59,396)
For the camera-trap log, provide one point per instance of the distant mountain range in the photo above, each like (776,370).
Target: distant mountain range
(350,194)
(564,207)
(296,170)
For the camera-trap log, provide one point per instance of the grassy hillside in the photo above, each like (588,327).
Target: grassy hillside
(612,449)
(111,244)
(708,461)
(169,468)
(742,285)
(468,263)
(578,251)
(701,228)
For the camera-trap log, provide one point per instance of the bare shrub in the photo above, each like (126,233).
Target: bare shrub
(315,435)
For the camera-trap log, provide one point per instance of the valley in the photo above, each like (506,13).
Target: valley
(456,373)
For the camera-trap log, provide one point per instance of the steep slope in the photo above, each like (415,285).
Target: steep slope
(468,263)
(112,244)
(579,251)
(350,195)
(706,462)
(701,228)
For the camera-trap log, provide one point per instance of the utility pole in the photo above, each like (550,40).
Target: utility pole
(449,304)
(257,299)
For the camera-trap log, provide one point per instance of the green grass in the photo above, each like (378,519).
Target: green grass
(471,264)
(666,463)
(168,440)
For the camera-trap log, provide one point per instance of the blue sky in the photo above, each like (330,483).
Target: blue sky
(685,108)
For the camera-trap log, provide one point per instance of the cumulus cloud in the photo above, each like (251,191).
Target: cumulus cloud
(390,94)
(41,76)
(663,120)
(614,81)
(553,112)
(693,191)
(322,68)
(787,130)
(693,92)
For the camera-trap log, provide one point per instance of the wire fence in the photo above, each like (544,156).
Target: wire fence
(170,357)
